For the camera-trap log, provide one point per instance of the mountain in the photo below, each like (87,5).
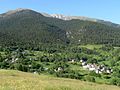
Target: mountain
(24,26)
(28,27)
(85,30)
(63,17)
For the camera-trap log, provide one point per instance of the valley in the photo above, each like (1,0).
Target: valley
(103,62)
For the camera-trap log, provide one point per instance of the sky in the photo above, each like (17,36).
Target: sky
(101,9)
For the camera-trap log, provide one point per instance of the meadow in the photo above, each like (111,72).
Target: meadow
(17,80)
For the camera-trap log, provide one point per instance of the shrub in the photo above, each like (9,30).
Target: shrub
(89,78)
(115,81)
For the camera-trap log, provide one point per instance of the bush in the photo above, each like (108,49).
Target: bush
(115,81)
(21,67)
(106,76)
(89,78)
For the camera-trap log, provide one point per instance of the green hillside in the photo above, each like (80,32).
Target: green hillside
(16,80)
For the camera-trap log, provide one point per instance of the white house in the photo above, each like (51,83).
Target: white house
(85,67)
(73,60)
(98,71)
(92,69)
(59,69)
(84,63)
(35,72)
(97,68)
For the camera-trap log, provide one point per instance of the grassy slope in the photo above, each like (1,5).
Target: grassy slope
(16,80)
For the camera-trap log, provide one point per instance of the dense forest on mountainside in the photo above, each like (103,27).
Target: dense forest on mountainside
(30,28)
(87,32)
(25,28)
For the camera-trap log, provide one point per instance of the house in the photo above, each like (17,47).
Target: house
(85,67)
(6,59)
(60,69)
(35,72)
(55,70)
(46,68)
(29,65)
(108,71)
(81,61)
(73,60)
(103,69)
(16,59)
(98,71)
(84,63)
(94,67)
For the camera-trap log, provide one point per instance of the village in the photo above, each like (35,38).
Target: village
(82,68)
(94,67)
(98,69)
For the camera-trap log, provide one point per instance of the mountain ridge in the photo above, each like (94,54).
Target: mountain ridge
(62,17)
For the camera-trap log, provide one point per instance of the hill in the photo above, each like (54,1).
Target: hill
(16,80)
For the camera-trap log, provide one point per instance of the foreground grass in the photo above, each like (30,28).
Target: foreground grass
(16,80)
(88,46)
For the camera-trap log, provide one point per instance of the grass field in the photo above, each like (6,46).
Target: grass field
(16,80)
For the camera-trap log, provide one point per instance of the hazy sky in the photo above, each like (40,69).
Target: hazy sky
(101,9)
